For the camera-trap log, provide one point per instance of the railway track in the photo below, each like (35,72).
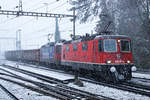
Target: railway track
(61,89)
(11,95)
(128,86)
(36,89)
(124,86)
(140,86)
(38,76)
(131,84)
(144,79)
(60,71)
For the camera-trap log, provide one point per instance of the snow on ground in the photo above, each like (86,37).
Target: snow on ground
(19,74)
(57,75)
(93,88)
(141,75)
(110,92)
(141,81)
(3,95)
(21,93)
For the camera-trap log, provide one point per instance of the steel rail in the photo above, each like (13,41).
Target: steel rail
(8,92)
(39,90)
(131,84)
(39,76)
(130,88)
(39,84)
(65,90)
(136,85)
(121,87)
(141,78)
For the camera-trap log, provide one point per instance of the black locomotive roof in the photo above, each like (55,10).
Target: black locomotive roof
(94,37)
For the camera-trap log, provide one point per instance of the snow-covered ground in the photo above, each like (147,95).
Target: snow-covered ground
(19,74)
(21,93)
(93,88)
(147,76)
(57,75)
(3,95)
(141,81)
(110,92)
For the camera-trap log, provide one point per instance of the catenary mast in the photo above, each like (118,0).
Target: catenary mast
(57,32)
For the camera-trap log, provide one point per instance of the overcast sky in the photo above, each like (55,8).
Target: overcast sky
(34,30)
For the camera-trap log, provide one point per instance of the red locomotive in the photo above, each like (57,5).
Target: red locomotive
(107,57)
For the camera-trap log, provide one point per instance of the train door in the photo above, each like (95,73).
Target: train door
(58,49)
(94,52)
(98,51)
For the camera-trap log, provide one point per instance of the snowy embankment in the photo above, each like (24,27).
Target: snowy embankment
(110,92)
(3,95)
(57,75)
(147,76)
(93,88)
(21,92)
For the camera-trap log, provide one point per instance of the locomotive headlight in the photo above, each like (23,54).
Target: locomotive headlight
(108,62)
(128,61)
(113,69)
(133,68)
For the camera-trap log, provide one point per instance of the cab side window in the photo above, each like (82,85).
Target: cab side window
(67,48)
(100,45)
(58,49)
(84,46)
(75,48)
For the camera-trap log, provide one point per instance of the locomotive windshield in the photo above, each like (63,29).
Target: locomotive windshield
(125,45)
(110,45)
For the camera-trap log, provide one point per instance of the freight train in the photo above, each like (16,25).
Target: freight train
(106,57)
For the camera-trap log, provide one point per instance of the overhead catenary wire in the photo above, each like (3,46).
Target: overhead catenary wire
(40,8)
(37,9)
(32,10)
(53,9)
(27,2)
(41,31)
(37,31)
(36,37)
(48,4)
(10,19)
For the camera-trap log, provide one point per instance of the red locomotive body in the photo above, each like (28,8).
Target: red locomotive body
(92,51)
(57,54)
(105,55)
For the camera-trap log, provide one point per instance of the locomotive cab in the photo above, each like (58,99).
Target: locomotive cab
(115,53)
